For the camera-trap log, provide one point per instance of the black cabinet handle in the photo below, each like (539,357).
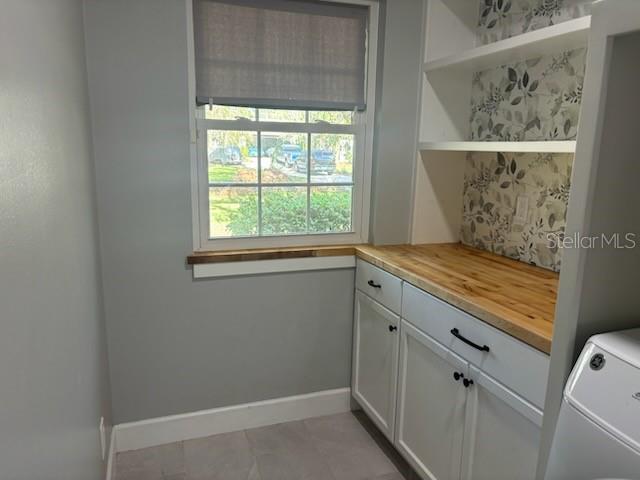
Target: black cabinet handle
(457,376)
(373,284)
(467,383)
(456,333)
(392,328)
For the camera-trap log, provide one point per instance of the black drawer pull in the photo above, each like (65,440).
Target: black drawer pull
(457,376)
(456,333)
(392,328)
(467,383)
(373,284)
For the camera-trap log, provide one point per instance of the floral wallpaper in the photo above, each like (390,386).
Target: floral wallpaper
(502,19)
(534,100)
(538,99)
(494,183)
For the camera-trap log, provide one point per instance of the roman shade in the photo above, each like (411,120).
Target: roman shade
(280,53)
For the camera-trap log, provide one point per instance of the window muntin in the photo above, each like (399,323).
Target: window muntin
(223,202)
(279,177)
(331,158)
(228,156)
(284,157)
(330,209)
(284,210)
(331,116)
(277,115)
(224,112)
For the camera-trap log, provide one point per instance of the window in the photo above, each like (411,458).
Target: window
(292,174)
(277,169)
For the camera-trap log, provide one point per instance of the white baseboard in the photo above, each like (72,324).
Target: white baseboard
(175,428)
(111,460)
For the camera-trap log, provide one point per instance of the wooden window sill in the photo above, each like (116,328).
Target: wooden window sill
(199,258)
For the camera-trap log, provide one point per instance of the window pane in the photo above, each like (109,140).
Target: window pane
(284,157)
(338,118)
(230,156)
(284,210)
(222,112)
(331,158)
(277,115)
(330,209)
(233,211)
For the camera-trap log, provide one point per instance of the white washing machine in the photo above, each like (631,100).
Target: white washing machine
(598,430)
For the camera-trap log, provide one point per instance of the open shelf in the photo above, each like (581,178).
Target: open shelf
(561,37)
(539,147)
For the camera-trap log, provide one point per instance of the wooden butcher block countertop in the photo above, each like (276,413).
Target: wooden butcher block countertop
(514,297)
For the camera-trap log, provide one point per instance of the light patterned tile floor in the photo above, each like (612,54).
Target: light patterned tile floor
(337,447)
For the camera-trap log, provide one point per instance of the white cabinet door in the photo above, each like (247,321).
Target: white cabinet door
(431,405)
(502,434)
(375,361)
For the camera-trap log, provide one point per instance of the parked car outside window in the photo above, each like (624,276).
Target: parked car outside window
(288,154)
(322,161)
(226,156)
(253,152)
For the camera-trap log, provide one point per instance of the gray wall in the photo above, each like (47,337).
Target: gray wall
(53,373)
(397,110)
(179,345)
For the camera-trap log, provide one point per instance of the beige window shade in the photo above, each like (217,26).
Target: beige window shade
(280,53)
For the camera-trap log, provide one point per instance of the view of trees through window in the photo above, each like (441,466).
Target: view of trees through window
(279,183)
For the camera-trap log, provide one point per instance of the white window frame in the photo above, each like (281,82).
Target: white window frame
(362,128)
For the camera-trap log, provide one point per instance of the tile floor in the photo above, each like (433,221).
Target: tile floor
(338,447)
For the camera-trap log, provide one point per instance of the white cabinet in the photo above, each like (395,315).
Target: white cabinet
(455,411)
(454,421)
(375,361)
(431,405)
(502,432)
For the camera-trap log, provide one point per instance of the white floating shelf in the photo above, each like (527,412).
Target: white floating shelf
(563,36)
(539,147)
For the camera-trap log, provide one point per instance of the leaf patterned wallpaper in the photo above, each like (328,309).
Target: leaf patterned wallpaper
(502,19)
(493,183)
(534,100)
(538,99)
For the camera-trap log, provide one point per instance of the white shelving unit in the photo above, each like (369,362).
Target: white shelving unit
(543,147)
(563,36)
(451,57)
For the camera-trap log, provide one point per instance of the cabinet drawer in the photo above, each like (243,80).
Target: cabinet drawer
(513,363)
(379,285)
